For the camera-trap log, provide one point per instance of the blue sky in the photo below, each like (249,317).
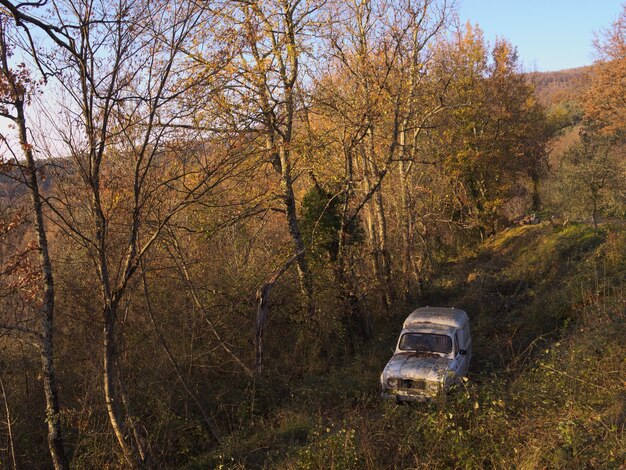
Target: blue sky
(549,34)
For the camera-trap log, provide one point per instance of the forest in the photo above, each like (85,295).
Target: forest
(215,215)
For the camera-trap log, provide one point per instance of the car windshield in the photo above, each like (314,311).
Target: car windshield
(428,342)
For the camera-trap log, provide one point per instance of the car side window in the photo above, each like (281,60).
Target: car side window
(456,344)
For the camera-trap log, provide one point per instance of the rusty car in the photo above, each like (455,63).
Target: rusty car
(432,353)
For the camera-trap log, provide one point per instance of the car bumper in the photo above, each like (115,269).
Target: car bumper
(408,395)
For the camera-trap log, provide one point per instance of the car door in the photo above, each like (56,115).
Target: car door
(467,345)
(460,360)
(454,367)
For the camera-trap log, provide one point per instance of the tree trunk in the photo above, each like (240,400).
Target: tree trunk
(383,248)
(594,214)
(9,426)
(372,238)
(344,279)
(304,273)
(279,128)
(46,312)
(377,230)
(536,197)
(407,242)
(111,394)
(53,417)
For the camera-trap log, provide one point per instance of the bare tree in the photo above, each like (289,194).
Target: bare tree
(121,66)
(15,87)
(270,72)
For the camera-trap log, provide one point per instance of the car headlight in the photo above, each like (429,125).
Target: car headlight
(392,382)
(433,386)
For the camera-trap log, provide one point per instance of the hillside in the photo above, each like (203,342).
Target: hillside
(561,85)
(561,93)
(546,386)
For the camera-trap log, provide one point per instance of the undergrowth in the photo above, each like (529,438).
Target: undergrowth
(546,387)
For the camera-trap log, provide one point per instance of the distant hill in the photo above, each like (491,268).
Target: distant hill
(561,86)
(561,92)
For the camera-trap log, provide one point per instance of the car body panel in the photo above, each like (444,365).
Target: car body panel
(417,366)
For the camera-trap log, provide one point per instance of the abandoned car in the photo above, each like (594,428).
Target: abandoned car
(433,351)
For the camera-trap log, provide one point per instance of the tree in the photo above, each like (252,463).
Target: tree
(321,223)
(591,171)
(370,105)
(269,75)
(497,139)
(121,66)
(16,88)
(605,101)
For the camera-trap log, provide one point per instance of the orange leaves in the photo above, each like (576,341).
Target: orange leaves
(610,44)
(17,84)
(23,274)
(605,102)
(19,271)
(6,227)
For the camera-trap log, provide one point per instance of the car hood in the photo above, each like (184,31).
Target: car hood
(417,366)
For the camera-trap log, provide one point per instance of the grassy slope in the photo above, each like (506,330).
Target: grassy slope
(547,385)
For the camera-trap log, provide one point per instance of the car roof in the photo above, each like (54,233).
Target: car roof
(436,315)
(430,328)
